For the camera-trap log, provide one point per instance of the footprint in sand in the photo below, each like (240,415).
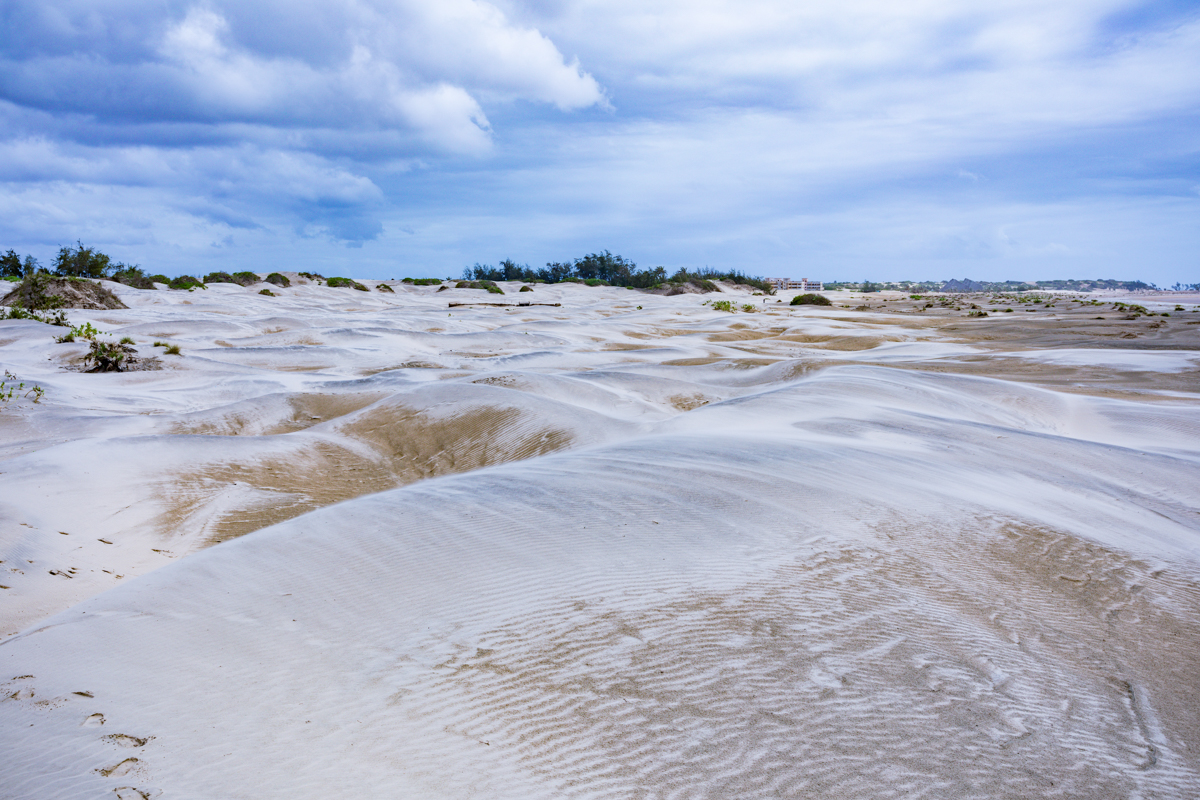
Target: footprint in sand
(123,740)
(120,768)
(130,793)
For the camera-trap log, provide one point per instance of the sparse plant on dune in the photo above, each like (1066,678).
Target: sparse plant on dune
(383,287)
(530,289)
(279,280)
(127,340)
(723,305)
(749,308)
(267,292)
(85,331)
(8,391)
(172,350)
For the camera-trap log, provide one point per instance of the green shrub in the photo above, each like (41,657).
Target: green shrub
(172,350)
(383,287)
(811,300)
(127,340)
(977,314)
(159,344)
(723,305)
(528,289)
(160,279)
(595,282)
(425,282)
(219,277)
(186,282)
(132,276)
(109,357)
(267,292)
(749,308)
(279,280)
(312,276)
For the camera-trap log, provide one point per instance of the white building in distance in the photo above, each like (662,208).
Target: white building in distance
(803,285)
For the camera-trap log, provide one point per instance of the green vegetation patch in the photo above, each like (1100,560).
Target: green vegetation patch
(342,283)
(811,300)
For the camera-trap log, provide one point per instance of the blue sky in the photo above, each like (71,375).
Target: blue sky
(856,139)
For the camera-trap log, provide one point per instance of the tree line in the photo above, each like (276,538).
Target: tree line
(605,268)
(78,262)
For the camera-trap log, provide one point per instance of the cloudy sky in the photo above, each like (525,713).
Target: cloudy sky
(1012,139)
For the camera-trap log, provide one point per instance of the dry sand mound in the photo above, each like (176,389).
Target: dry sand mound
(72,292)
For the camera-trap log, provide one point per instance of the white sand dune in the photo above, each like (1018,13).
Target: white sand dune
(590,551)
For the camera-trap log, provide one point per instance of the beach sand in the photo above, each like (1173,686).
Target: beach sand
(366,544)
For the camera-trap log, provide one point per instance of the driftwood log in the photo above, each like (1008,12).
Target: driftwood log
(505,305)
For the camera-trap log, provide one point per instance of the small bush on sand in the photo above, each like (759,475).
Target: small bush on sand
(159,279)
(172,350)
(749,308)
(977,314)
(110,357)
(811,300)
(383,287)
(127,340)
(267,292)
(312,276)
(246,278)
(424,281)
(526,288)
(489,286)
(279,280)
(723,305)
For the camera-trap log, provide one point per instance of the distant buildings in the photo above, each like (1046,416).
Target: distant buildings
(803,285)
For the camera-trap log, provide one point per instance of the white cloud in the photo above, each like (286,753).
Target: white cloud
(409,65)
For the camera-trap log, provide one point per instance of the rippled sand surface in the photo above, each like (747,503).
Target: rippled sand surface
(365,544)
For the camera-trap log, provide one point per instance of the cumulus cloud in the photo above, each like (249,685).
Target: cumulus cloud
(384,64)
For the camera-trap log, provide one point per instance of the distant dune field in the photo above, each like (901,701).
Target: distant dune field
(366,544)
